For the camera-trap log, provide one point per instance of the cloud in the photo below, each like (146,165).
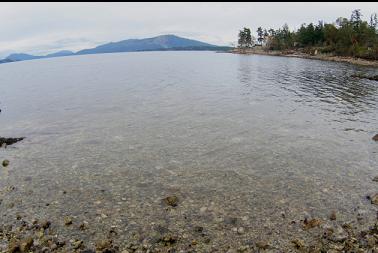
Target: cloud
(45,27)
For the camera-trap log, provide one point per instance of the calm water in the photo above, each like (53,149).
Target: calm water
(246,137)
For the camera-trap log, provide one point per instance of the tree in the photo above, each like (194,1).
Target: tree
(260,35)
(373,21)
(241,39)
(248,37)
(245,38)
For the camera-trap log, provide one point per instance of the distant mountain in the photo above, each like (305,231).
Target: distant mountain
(162,42)
(22,57)
(60,53)
(159,43)
(25,57)
(5,61)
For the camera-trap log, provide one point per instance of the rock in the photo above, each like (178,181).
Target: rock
(240,230)
(14,246)
(312,223)
(9,141)
(5,163)
(45,224)
(338,236)
(67,220)
(198,229)
(375,138)
(231,220)
(83,226)
(102,245)
(26,244)
(171,200)
(169,240)
(298,243)
(77,244)
(262,245)
(87,251)
(375,179)
(374,199)
(332,215)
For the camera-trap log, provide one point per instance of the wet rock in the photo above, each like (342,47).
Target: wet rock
(14,246)
(105,244)
(374,199)
(231,220)
(171,200)
(76,244)
(240,230)
(87,251)
(67,220)
(339,235)
(243,249)
(26,244)
(332,216)
(5,163)
(169,240)
(82,226)
(9,141)
(375,138)
(311,223)
(45,224)
(262,245)
(298,243)
(198,229)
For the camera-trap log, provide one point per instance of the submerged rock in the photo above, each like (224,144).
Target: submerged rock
(262,245)
(102,245)
(312,223)
(67,220)
(375,138)
(5,163)
(9,141)
(298,243)
(171,200)
(332,215)
(26,244)
(374,199)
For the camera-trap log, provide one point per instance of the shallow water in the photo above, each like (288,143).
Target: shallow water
(266,140)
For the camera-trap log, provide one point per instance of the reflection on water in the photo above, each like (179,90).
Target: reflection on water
(235,137)
(321,84)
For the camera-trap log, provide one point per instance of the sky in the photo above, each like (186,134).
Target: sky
(41,28)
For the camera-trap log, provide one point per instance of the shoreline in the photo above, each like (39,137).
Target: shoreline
(296,54)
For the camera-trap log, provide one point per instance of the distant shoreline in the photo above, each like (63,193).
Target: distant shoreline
(297,54)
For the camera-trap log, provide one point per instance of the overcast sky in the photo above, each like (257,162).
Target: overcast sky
(41,28)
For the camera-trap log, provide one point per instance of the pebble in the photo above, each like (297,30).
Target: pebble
(5,163)
(312,223)
(171,200)
(333,215)
(67,220)
(262,245)
(44,224)
(77,244)
(374,199)
(26,244)
(240,230)
(104,244)
(298,243)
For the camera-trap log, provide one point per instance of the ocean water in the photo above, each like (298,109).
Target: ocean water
(253,142)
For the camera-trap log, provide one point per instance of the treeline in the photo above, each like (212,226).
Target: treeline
(346,37)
